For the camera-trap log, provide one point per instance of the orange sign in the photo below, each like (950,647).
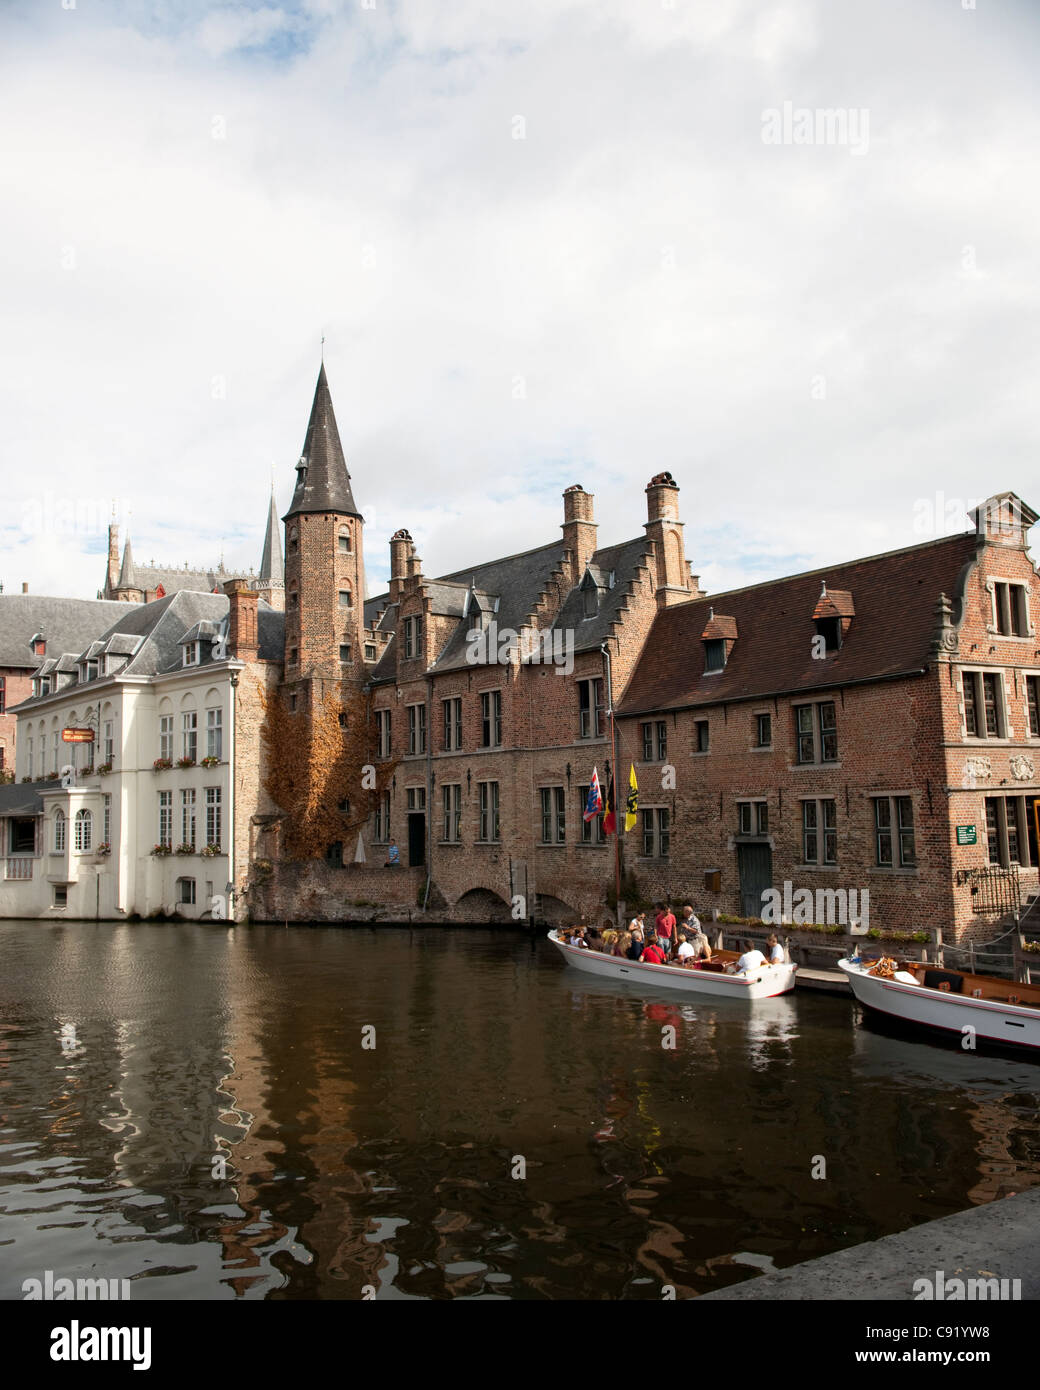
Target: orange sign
(77,735)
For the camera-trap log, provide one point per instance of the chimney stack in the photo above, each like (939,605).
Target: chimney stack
(579,528)
(401,550)
(25,588)
(664,530)
(242,621)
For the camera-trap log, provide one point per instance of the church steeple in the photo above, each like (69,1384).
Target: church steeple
(127,577)
(270,582)
(322,480)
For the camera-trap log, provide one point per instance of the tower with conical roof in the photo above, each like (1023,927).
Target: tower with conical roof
(324,559)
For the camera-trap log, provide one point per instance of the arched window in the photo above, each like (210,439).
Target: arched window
(344,540)
(59,832)
(84,824)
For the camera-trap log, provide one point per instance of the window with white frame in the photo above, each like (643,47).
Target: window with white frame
(820,831)
(554,816)
(983,693)
(108,743)
(452,724)
(1010,615)
(489,825)
(590,708)
(186,891)
(656,832)
(752,818)
(106,819)
(451,801)
(29,758)
(214,816)
(190,734)
(166,819)
(383,732)
(895,842)
(166,737)
(192,653)
(381,832)
(655,740)
(188,816)
(491,719)
(412,637)
(83,831)
(416,728)
(215,733)
(1033,706)
(816,731)
(763,730)
(59,832)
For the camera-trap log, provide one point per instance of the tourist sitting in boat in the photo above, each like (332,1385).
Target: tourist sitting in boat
(699,943)
(652,953)
(635,949)
(577,937)
(774,950)
(622,944)
(684,952)
(752,959)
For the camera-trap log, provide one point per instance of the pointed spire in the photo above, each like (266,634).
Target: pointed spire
(322,480)
(127,576)
(272,568)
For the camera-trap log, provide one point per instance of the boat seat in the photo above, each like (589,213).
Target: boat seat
(934,978)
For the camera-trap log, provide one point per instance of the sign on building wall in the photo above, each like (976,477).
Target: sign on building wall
(77,735)
(966,835)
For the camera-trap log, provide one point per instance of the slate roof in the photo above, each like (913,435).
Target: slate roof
(895,597)
(22,798)
(68,624)
(624,559)
(154,634)
(322,480)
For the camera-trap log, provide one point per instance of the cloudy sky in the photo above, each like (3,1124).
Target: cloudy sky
(786,250)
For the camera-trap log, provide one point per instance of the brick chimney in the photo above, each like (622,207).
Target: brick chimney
(401,551)
(665,530)
(579,528)
(242,630)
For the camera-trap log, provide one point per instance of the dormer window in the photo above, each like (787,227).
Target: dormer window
(192,653)
(719,635)
(832,616)
(589,601)
(92,669)
(714,654)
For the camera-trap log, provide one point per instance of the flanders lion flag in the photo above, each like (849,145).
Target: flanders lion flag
(632,803)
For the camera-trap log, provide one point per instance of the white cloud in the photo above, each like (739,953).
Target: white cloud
(189,205)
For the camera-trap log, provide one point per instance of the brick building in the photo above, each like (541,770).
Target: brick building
(834,729)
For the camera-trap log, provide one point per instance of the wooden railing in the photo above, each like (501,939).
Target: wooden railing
(19,867)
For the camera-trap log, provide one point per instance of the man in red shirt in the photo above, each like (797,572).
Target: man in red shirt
(653,955)
(665,922)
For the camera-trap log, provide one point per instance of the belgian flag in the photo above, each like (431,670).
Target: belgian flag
(610,814)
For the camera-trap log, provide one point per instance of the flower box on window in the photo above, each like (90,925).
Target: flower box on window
(103,850)
(185,849)
(185,762)
(104,769)
(210,761)
(162,764)
(162,850)
(52,776)
(210,851)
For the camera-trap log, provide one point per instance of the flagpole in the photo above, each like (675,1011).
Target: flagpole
(614,775)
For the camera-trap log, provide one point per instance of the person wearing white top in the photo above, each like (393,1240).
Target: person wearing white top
(685,951)
(752,959)
(776,952)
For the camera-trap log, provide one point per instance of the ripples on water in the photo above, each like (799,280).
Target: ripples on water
(192,1108)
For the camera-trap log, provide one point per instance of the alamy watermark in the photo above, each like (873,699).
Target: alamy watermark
(819,125)
(830,906)
(495,646)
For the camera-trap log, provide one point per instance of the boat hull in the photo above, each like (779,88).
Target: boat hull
(1006,1024)
(764,983)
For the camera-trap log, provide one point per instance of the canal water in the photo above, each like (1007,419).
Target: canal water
(310,1112)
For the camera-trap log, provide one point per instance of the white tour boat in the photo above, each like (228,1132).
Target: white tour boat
(706,977)
(999,1010)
